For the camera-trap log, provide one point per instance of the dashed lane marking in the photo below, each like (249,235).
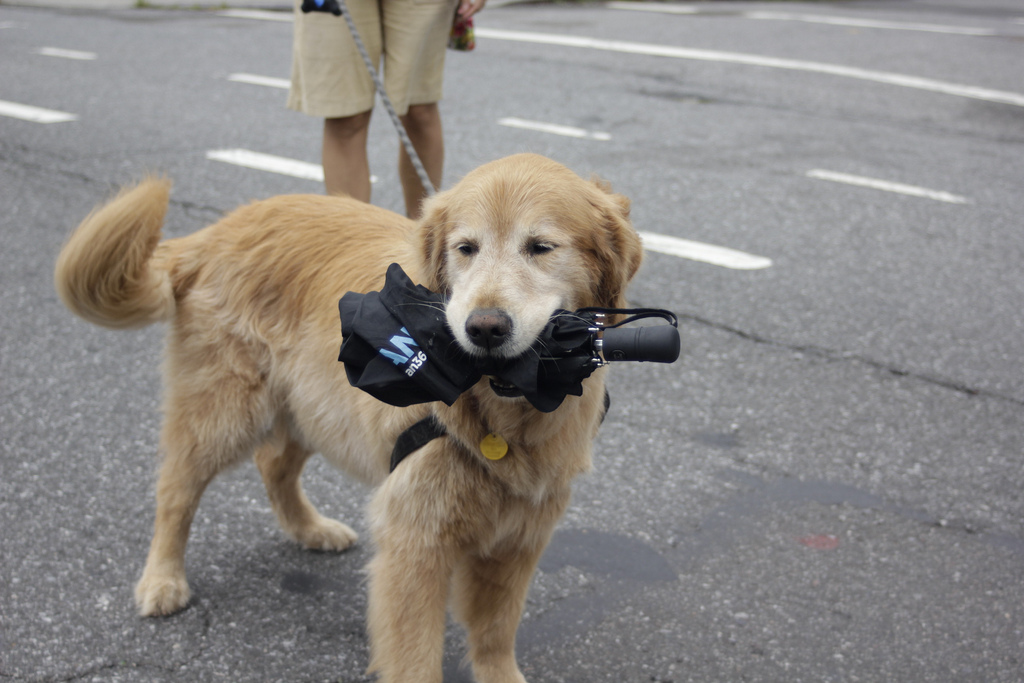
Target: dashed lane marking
(705,253)
(66,54)
(887,186)
(27,112)
(903,80)
(268,81)
(554,128)
(262,15)
(270,163)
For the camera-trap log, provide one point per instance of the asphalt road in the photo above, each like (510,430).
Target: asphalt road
(826,487)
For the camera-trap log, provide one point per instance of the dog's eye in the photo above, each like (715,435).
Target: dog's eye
(538,248)
(467,248)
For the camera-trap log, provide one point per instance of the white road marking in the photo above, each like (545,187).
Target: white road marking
(268,81)
(554,128)
(271,163)
(27,112)
(66,54)
(887,186)
(871,23)
(659,7)
(928,84)
(705,253)
(268,162)
(852,22)
(262,15)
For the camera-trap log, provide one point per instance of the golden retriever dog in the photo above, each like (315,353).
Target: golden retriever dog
(251,370)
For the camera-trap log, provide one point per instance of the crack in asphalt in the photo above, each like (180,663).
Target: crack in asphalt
(190,208)
(833,354)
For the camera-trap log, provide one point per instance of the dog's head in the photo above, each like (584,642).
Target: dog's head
(519,238)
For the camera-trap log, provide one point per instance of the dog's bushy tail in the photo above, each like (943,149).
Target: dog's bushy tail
(106,272)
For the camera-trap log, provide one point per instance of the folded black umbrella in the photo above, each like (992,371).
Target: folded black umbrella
(398,348)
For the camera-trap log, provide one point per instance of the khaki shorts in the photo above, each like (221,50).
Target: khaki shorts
(329,78)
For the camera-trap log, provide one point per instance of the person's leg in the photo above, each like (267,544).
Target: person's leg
(416,34)
(346,166)
(423,124)
(329,81)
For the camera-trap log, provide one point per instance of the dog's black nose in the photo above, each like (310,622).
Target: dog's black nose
(488,328)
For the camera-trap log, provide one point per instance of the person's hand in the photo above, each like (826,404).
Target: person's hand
(468,8)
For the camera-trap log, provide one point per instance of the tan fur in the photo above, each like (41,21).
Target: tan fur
(251,370)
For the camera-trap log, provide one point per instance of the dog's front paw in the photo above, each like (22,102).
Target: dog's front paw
(326,534)
(161,595)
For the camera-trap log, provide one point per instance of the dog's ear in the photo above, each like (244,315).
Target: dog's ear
(617,247)
(433,230)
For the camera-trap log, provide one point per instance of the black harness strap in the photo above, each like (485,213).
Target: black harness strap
(428,429)
(416,437)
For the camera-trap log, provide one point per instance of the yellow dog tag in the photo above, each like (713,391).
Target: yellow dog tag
(493,447)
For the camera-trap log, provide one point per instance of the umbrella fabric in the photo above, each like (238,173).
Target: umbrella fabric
(397,347)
